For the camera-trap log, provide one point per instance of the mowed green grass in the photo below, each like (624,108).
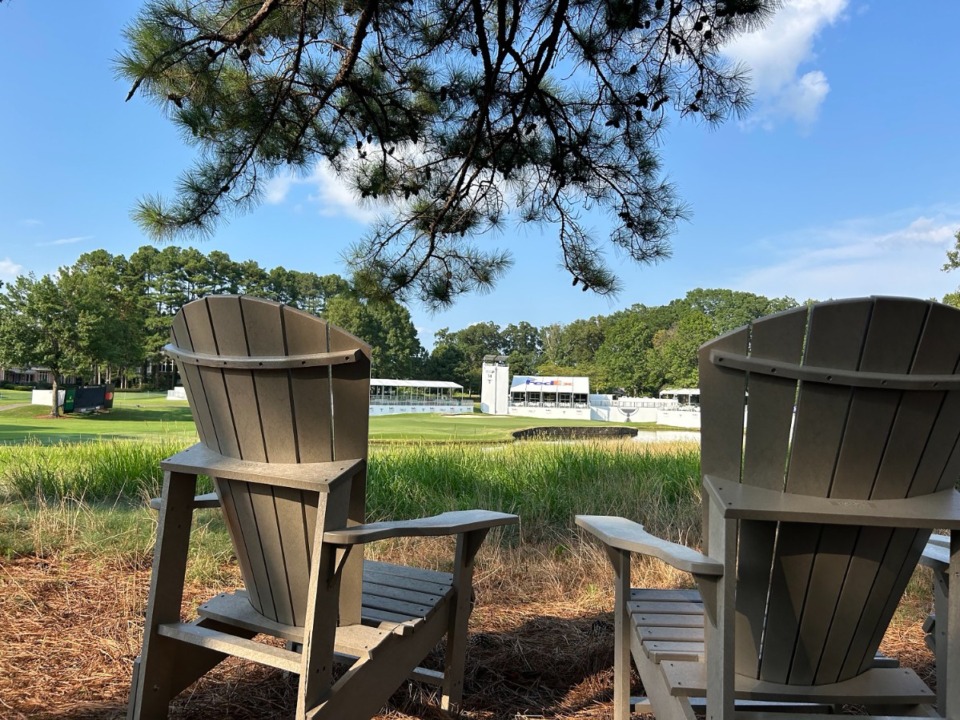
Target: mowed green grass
(9,397)
(431,427)
(153,417)
(134,416)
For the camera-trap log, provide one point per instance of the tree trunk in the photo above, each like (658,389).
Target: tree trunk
(55,406)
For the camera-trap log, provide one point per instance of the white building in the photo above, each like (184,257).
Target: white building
(543,396)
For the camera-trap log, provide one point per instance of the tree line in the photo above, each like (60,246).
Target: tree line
(107,317)
(635,351)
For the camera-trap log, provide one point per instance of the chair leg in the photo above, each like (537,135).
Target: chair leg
(323,604)
(621,634)
(162,670)
(134,685)
(951,707)
(940,636)
(454,663)
(368,684)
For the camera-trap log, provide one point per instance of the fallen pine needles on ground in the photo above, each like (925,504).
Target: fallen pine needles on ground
(541,643)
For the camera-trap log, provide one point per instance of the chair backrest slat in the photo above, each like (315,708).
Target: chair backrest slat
(834,339)
(876,555)
(191,380)
(241,519)
(887,583)
(939,349)
(230,336)
(813,601)
(213,386)
(310,389)
(264,337)
(180,335)
(721,438)
(351,396)
(294,522)
(270,535)
(911,435)
(767,442)
(766,448)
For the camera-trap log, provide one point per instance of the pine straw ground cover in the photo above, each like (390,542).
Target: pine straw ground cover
(540,644)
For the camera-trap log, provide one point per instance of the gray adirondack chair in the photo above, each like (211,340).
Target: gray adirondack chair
(281,401)
(829,452)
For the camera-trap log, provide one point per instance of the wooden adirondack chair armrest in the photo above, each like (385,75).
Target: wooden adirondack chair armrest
(314,476)
(208,500)
(747,502)
(448,523)
(936,554)
(936,557)
(623,534)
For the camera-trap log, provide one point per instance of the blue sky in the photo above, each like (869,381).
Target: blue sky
(843,180)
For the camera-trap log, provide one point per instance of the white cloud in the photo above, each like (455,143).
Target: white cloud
(775,54)
(278,187)
(30,222)
(66,240)
(331,194)
(922,231)
(802,100)
(335,198)
(9,270)
(882,256)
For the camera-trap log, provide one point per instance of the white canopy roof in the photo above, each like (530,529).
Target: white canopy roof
(417,383)
(680,391)
(550,384)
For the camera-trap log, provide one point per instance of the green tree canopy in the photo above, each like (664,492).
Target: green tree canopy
(573,344)
(460,354)
(459,114)
(623,360)
(952,263)
(386,326)
(111,320)
(729,309)
(522,344)
(40,327)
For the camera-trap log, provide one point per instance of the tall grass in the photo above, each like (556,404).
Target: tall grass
(545,484)
(103,470)
(118,535)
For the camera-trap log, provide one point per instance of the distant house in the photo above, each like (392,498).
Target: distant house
(25,376)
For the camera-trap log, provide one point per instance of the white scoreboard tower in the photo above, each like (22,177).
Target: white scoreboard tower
(495,388)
